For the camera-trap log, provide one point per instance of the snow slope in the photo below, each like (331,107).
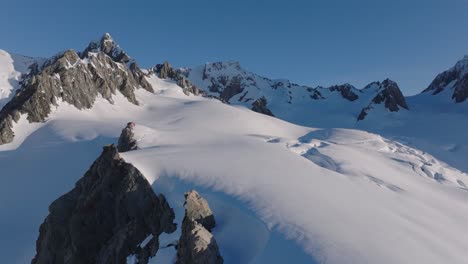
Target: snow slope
(433,123)
(343,196)
(11,68)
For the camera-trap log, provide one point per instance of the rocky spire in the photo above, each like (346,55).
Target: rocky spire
(197,245)
(108,46)
(105,217)
(127,139)
(455,78)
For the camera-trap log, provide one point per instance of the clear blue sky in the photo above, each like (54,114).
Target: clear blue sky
(312,42)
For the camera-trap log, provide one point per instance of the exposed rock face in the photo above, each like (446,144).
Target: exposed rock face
(260,106)
(127,139)
(225,85)
(388,93)
(75,80)
(455,78)
(165,71)
(391,96)
(197,245)
(197,209)
(346,90)
(105,218)
(229,81)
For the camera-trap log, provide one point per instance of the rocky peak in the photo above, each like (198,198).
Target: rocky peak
(456,78)
(127,139)
(462,65)
(105,217)
(389,94)
(197,245)
(73,79)
(108,46)
(222,66)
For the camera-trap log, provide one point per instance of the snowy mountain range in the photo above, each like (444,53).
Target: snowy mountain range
(312,175)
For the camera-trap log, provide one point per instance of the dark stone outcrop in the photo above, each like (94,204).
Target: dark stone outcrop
(165,71)
(456,77)
(390,95)
(260,106)
(346,90)
(232,87)
(197,209)
(460,94)
(224,85)
(127,139)
(105,218)
(197,245)
(72,79)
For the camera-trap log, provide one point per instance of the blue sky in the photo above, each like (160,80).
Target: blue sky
(319,42)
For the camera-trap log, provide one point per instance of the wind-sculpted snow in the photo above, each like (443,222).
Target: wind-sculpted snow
(353,214)
(342,195)
(11,68)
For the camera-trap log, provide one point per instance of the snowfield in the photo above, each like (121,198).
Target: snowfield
(342,196)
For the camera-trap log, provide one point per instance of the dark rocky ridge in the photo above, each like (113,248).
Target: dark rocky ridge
(456,77)
(73,79)
(389,94)
(105,218)
(230,82)
(165,71)
(197,245)
(346,90)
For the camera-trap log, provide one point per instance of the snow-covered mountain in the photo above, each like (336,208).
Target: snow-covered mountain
(289,184)
(455,79)
(288,100)
(429,121)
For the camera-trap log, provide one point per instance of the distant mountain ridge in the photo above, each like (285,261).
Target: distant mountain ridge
(104,69)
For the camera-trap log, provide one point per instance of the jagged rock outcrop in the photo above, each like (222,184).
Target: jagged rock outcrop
(197,245)
(455,78)
(165,71)
(197,209)
(389,94)
(127,139)
(260,106)
(347,91)
(105,218)
(223,84)
(73,78)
